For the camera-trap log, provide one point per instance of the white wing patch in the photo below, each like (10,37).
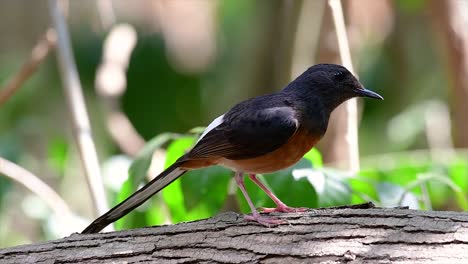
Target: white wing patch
(218,121)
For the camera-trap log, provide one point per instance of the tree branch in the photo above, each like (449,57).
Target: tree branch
(351,133)
(38,187)
(111,84)
(319,236)
(38,55)
(450,23)
(79,115)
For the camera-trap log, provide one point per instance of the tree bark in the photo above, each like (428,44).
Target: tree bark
(334,235)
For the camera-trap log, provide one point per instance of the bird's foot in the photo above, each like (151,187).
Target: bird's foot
(284,209)
(264,220)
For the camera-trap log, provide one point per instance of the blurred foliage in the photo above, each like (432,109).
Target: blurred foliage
(164,101)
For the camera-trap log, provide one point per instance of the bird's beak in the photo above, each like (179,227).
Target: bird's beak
(363,92)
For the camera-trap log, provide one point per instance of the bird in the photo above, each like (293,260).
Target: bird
(260,135)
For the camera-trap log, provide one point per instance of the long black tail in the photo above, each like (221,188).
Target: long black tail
(136,199)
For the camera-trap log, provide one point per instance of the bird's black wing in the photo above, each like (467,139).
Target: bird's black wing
(248,131)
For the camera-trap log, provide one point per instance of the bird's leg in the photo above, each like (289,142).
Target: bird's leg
(280,206)
(266,221)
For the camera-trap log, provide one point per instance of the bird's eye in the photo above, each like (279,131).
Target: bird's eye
(339,75)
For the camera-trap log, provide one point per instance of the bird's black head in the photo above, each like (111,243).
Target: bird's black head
(332,84)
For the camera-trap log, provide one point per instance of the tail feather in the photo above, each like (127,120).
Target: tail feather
(136,199)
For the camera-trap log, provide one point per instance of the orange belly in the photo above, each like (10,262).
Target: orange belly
(283,157)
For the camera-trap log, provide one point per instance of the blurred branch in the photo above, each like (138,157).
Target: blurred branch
(351,134)
(451,19)
(438,130)
(123,132)
(189,31)
(307,36)
(38,187)
(38,55)
(111,83)
(283,53)
(111,80)
(79,115)
(106,13)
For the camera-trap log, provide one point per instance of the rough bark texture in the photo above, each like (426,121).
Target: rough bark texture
(318,236)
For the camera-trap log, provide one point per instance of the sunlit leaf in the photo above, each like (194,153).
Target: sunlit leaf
(173,194)
(150,213)
(177,148)
(458,172)
(337,190)
(403,175)
(138,217)
(439,187)
(363,191)
(363,186)
(314,157)
(58,155)
(156,213)
(125,190)
(440,195)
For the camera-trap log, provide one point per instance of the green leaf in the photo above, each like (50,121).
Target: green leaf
(363,191)
(207,187)
(144,215)
(125,191)
(148,213)
(439,193)
(174,199)
(58,154)
(421,173)
(405,173)
(336,190)
(173,195)
(156,213)
(458,172)
(177,148)
(330,185)
(363,186)
(314,157)
(295,192)
(390,194)
(139,168)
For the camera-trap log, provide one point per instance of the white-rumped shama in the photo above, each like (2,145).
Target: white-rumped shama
(260,135)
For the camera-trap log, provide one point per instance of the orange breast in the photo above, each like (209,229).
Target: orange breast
(284,157)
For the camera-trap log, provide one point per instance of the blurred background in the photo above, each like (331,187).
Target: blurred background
(154,72)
